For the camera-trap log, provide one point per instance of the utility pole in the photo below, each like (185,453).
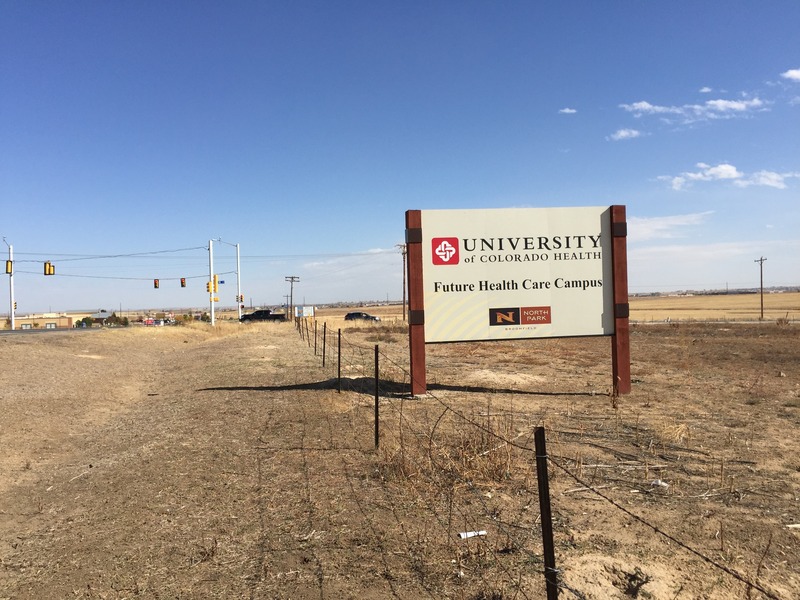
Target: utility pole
(291,279)
(403,252)
(760,262)
(10,272)
(239,297)
(211,279)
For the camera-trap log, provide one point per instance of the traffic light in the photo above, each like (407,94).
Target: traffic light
(49,268)
(216,284)
(155,283)
(9,267)
(183,281)
(15,305)
(208,286)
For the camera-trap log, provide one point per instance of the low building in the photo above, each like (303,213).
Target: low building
(42,321)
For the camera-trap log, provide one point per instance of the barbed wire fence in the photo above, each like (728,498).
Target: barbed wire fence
(452,457)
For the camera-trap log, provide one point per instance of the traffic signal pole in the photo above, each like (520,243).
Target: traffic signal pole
(11,303)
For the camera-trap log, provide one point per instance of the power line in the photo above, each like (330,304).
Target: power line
(322,254)
(64,257)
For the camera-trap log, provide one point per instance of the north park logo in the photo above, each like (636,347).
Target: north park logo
(525,315)
(444,250)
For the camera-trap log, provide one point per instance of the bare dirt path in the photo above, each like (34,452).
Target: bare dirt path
(196,463)
(177,464)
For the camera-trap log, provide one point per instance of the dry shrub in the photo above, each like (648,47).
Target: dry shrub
(677,433)
(397,464)
(474,449)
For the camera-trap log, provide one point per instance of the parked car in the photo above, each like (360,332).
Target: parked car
(263,315)
(355,316)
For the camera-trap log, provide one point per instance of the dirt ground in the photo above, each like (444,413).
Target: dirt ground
(186,462)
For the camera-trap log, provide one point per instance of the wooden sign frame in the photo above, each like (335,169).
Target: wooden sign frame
(620,339)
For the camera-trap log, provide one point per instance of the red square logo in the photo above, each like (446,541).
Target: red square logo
(444,250)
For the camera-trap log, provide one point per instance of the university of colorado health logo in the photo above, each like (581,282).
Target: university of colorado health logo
(444,250)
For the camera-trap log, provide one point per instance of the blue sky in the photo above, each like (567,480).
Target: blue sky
(131,133)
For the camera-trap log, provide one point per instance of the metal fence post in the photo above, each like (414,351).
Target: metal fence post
(324,340)
(377,433)
(550,572)
(339,368)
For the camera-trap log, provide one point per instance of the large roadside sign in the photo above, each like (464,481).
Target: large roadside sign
(517,273)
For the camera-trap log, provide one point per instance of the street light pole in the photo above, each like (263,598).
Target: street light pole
(238,279)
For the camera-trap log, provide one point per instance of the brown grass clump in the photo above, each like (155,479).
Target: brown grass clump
(456,448)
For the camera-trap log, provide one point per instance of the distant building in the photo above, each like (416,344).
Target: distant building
(43,321)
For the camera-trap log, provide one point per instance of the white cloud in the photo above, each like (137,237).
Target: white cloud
(767,178)
(721,171)
(645,108)
(725,171)
(624,134)
(667,266)
(691,113)
(706,90)
(567,111)
(792,75)
(706,173)
(723,106)
(367,275)
(641,229)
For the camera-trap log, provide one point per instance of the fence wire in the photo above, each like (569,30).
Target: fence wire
(457,462)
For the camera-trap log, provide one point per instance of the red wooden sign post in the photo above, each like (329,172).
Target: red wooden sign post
(416,304)
(620,341)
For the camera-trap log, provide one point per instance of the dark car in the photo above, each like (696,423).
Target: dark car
(355,316)
(263,315)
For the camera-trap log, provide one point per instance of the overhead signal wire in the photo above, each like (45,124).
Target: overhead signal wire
(73,275)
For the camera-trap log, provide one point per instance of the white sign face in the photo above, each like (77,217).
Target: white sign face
(305,312)
(517,273)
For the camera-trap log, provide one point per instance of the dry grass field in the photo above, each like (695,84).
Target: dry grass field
(723,307)
(191,462)
(644,309)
